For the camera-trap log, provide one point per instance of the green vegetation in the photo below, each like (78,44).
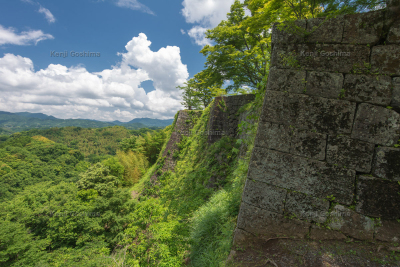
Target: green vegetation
(241,49)
(79,196)
(93,143)
(58,209)
(16,122)
(190,213)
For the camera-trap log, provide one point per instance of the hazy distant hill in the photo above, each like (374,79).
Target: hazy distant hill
(152,122)
(16,122)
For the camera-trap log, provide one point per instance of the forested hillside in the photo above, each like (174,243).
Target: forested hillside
(16,122)
(58,208)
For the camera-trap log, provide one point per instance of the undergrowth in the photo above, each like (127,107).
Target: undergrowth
(187,217)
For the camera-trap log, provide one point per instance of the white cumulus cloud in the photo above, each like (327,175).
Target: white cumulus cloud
(206,14)
(164,67)
(111,94)
(198,35)
(11,36)
(49,16)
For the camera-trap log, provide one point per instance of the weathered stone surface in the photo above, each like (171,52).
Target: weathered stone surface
(306,207)
(284,33)
(368,88)
(387,163)
(320,57)
(351,223)
(389,231)
(325,31)
(241,237)
(378,198)
(394,33)
(363,28)
(266,224)
(352,153)
(282,108)
(396,94)
(376,125)
(328,116)
(311,177)
(264,196)
(308,144)
(273,136)
(224,117)
(181,128)
(324,84)
(319,233)
(286,80)
(385,59)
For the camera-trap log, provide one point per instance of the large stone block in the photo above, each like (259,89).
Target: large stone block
(324,84)
(368,88)
(378,198)
(377,125)
(387,163)
(320,57)
(394,33)
(389,231)
(282,108)
(273,136)
(264,196)
(319,233)
(351,223)
(352,153)
(306,207)
(266,224)
(396,94)
(385,59)
(286,80)
(308,144)
(328,116)
(363,28)
(325,30)
(315,178)
(287,33)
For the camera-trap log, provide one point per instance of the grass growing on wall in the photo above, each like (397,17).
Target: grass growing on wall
(188,217)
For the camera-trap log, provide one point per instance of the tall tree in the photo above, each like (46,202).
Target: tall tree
(207,87)
(241,49)
(189,96)
(240,54)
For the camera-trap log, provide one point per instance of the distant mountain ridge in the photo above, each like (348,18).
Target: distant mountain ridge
(22,121)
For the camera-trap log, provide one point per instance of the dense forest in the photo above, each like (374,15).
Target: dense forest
(54,199)
(84,197)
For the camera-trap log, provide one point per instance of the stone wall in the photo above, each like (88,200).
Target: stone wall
(224,120)
(225,117)
(326,163)
(184,123)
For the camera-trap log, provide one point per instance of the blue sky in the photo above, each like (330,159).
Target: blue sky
(143,51)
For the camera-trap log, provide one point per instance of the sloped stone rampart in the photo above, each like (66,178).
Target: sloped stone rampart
(225,117)
(326,164)
(224,120)
(184,123)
